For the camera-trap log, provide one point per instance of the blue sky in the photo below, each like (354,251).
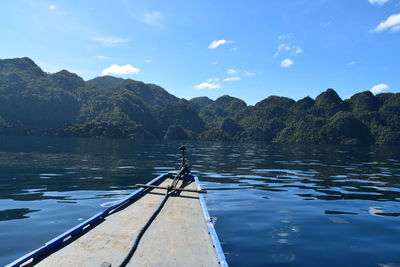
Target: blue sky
(248,49)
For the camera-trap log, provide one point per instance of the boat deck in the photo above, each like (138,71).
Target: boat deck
(177,237)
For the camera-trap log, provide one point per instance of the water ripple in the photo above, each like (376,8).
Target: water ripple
(276,204)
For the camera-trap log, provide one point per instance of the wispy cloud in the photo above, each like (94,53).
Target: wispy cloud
(125,70)
(214,44)
(231,71)
(378,2)
(57,10)
(109,41)
(213,80)
(155,18)
(286,63)
(102,57)
(215,83)
(207,85)
(325,24)
(281,47)
(148,61)
(214,62)
(234,49)
(351,63)
(379,88)
(231,79)
(246,73)
(297,50)
(291,49)
(287,36)
(392,23)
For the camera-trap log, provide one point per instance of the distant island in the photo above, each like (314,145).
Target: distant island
(33,102)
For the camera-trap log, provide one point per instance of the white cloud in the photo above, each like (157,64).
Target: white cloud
(281,47)
(115,69)
(214,62)
(231,71)
(351,63)
(379,88)
(234,49)
(148,61)
(297,50)
(378,2)
(285,36)
(325,24)
(108,41)
(213,80)
(232,79)
(214,44)
(155,18)
(291,49)
(246,73)
(392,22)
(102,57)
(396,28)
(212,83)
(286,63)
(215,83)
(57,10)
(203,86)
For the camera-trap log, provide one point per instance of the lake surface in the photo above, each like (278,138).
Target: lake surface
(274,204)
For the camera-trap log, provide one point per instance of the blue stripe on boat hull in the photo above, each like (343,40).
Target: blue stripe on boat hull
(214,237)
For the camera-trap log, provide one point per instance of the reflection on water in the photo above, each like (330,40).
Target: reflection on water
(14,214)
(277,205)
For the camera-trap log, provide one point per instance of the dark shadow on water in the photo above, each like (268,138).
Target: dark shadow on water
(15,214)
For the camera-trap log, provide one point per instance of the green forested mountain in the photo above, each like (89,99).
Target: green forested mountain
(200,102)
(33,102)
(105,82)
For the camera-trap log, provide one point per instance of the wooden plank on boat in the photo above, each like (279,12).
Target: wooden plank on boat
(177,237)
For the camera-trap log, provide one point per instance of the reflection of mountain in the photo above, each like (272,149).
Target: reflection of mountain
(14,214)
(33,176)
(59,168)
(33,102)
(52,168)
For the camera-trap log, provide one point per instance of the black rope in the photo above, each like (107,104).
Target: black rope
(183,170)
(143,230)
(128,257)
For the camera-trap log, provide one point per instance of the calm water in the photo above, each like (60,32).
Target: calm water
(275,205)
